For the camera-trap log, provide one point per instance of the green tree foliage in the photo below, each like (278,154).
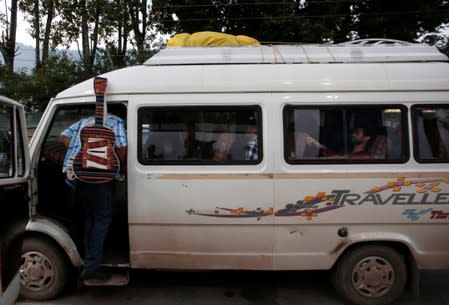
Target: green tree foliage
(36,89)
(11,83)
(399,19)
(305,20)
(267,21)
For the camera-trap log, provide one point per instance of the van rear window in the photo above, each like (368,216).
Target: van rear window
(345,134)
(200,135)
(431,133)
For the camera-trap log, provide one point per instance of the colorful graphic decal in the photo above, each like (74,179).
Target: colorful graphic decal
(414,214)
(427,191)
(233,213)
(310,207)
(422,185)
(307,208)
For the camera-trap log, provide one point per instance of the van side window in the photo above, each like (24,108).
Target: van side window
(200,135)
(345,134)
(431,133)
(6,139)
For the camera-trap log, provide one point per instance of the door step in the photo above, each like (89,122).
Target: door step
(118,278)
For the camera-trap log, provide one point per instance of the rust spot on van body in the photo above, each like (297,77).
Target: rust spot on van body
(340,246)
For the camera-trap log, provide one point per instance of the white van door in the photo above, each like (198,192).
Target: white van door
(199,193)
(13,196)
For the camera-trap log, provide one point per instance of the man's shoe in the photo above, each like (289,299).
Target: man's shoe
(95,275)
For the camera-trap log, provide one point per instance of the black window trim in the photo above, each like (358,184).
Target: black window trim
(19,145)
(415,133)
(253,107)
(12,145)
(404,118)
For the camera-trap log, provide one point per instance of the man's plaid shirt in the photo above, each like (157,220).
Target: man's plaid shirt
(117,125)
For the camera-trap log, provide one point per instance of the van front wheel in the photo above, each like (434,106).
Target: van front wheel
(371,275)
(43,271)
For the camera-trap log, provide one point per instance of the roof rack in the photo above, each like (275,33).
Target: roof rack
(362,51)
(377,42)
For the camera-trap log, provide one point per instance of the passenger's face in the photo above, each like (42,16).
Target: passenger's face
(168,148)
(358,136)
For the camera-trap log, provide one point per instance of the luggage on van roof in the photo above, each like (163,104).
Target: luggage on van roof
(360,51)
(208,38)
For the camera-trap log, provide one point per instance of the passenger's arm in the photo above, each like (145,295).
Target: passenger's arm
(311,141)
(121,154)
(324,151)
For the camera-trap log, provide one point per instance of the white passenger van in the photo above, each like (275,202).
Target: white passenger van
(251,158)
(14,170)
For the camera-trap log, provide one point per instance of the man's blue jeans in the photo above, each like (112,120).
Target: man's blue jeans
(97,201)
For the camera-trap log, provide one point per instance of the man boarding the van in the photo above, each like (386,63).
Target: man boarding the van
(96,149)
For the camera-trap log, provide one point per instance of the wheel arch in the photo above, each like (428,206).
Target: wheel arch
(50,229)
(401,245)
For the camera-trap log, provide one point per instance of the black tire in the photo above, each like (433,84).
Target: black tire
(44,269)
(371,275)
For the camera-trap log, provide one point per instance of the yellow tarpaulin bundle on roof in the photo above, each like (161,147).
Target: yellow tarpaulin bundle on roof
(178,40)
(201,39)
(247,41)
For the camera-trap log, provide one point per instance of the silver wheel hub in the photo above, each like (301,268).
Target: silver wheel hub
(36,271)
(373,276)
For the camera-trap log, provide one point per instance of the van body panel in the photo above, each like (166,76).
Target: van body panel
(270,78)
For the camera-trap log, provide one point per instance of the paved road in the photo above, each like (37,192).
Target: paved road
(236,288)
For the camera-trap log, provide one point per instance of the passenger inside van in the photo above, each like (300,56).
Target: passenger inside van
(361,139)
(223,146)
(251,148)
(4,154)
(163,147)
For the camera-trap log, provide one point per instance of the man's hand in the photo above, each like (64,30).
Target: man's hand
(121,154)
(312,141)
(65,140)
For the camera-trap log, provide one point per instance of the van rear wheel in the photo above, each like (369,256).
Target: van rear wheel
(371,275)
(43,271)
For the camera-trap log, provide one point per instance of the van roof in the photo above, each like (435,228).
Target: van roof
(361,51)
(405,67)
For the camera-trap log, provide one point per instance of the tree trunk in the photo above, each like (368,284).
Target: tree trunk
(95,36)
(119,59)
(8,46)
(85,35)
(135,8)
(46,42)
(37,48)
